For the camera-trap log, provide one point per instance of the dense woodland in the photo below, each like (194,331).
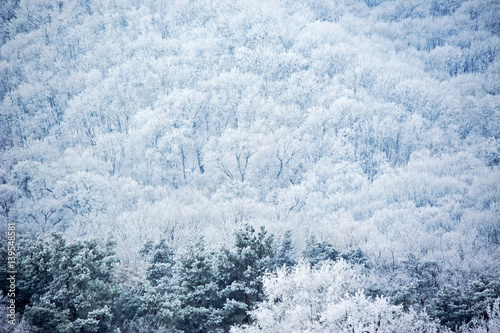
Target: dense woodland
(252,166)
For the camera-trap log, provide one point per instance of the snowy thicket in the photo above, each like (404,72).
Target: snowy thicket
(327,300)
(369,128)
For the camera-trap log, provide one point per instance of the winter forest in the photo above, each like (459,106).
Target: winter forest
(250,166)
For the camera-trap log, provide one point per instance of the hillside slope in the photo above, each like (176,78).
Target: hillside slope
(372,125)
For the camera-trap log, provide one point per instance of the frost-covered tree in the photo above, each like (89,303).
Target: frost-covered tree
(328,298)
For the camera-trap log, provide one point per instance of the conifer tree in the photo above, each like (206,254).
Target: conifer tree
(195,291)
(316,252)
(156,301)
(421,283)
(240,272)
(284,253)
(69,287)
(162,262)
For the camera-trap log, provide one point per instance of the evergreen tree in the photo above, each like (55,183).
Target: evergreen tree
(240,272)
(316,252)
(195,291)
(455,307)
(452,307)
(156,301)
(483,294)
(356,256)
(69,287)
(161,263)
(284,254)
(421,283)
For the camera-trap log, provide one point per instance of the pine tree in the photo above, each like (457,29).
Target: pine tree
(71,285)
(356,256)
(195,291)
(162,262)
(316,252)
(284,254)
(452,307)
(157,299)
(421,283)
(240,272)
